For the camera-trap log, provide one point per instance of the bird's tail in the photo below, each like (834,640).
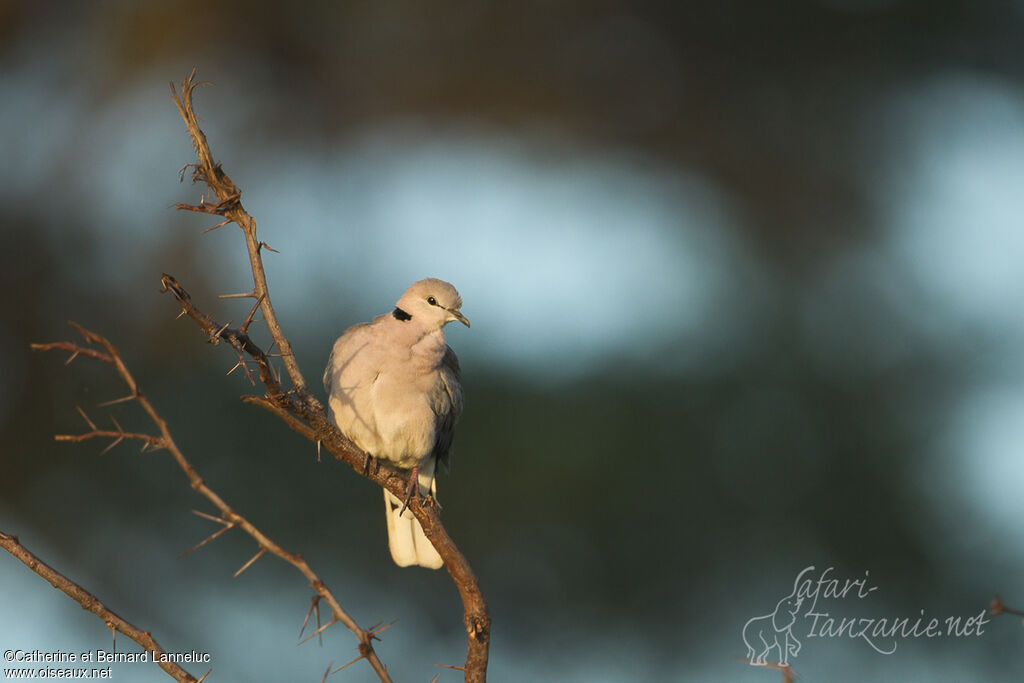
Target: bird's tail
(408,544)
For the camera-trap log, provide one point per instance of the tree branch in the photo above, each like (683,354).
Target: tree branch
(997,606)
(90,602)
(301,405)
(230,207)
(228,516)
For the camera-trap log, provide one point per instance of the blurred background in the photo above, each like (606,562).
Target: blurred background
(745,282)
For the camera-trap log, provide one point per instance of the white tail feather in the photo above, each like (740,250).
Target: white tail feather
(406,540)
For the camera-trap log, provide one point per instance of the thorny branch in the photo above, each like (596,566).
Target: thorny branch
(997,606)
(228,517)
(90,602)
(298,406)
(787,672)
(230,208)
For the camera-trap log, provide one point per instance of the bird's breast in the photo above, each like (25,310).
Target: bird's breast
(406,411)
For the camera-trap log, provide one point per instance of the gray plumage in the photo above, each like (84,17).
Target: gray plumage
(393,388)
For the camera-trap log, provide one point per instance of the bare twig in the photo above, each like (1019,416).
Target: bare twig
(997,606)
(787,672)
(230,206)
(227,514)
(75,352)
(299,407)
(91,603)
(118,437)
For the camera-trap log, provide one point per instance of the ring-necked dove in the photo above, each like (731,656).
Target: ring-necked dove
(393,389)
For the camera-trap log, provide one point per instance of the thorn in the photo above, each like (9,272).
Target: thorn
(327,673)
(210,517)
(241,295)
(319,631)
(318,450)
(374,631)
(221,224)
(217,333)
(435,678)
(244,363)
(269,248)
(204,676)
(72,357)
(118,400)
(113,443)
(120,429)
(349,664)
(86,417)
(314,606)
(209,538)
(249,563)
(449,666)
(248,318)
(176,317)
(312,603)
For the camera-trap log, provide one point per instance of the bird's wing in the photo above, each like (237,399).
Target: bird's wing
(351,370)
(452,381)
(346,347)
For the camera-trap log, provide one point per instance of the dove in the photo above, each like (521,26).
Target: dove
(394,390)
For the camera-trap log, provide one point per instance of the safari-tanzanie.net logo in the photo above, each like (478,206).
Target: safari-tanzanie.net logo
(775,637)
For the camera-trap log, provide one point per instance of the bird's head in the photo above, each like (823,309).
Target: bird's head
(432,302)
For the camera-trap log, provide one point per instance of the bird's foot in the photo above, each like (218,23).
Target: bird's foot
(414,488)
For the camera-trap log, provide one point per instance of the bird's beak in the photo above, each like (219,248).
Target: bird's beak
(461,318)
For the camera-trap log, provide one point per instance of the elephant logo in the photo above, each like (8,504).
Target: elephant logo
(774,631)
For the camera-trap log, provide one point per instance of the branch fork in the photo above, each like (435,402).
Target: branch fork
(228,518)
(299,408)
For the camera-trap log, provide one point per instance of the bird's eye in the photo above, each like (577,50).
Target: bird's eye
(432,301)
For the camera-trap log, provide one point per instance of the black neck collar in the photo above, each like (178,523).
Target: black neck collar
(401,315)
